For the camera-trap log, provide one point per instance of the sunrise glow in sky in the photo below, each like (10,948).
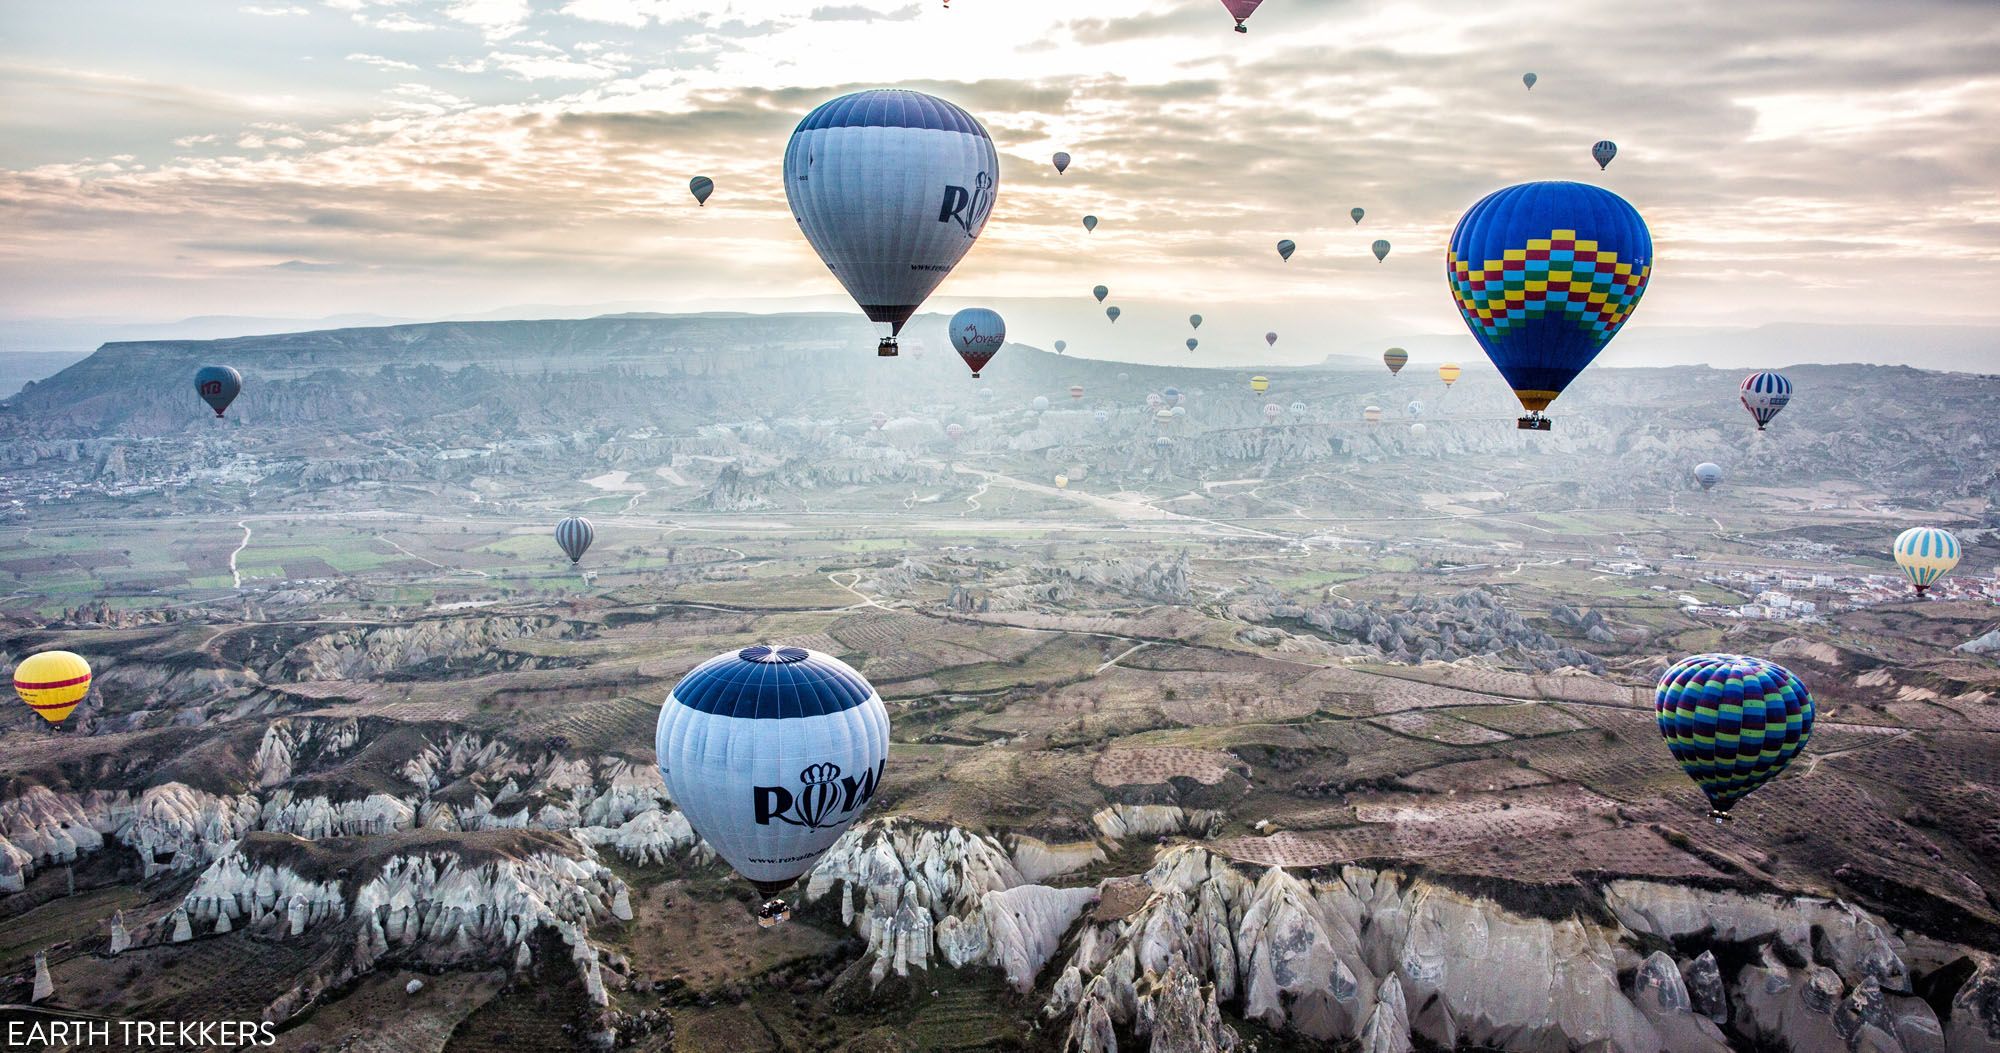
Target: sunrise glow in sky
(1798,160)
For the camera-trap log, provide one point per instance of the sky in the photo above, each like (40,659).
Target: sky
(1798,161)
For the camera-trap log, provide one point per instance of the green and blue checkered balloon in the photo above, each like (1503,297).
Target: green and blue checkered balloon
(1733,722)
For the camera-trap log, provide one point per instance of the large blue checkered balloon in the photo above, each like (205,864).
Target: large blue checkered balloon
(1545,274)
(1733,722)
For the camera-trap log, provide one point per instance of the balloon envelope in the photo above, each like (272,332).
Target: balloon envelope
(1272,411)
(1415,408)
(977,333)
(891,188)
(1449,373)
(701,186)
(1708,473)
(1062,482)
(1112,312)
(1090,222)
(1286,248)
(1380,249)
(1299,408)
(218,386)
(1732,721)
(1395,358)
(1260,384)
(772,753)
(1545,274)
(1372,414)
(1764,394)
(574,535)
(1270,339)
(1061,346)
(1417,431)
(1040,404)
(1926,554)
(1529,79)
(1061,162)
(1603,152)
(52,683)
(1193,343)
(1357,213)
(1100,292)
(1194,320)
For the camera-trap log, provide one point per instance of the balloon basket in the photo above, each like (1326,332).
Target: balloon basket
(1533,422)
(1721,818)
(887,348)
(773,913)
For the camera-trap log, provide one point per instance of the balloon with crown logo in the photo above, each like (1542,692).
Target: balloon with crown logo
(772,752)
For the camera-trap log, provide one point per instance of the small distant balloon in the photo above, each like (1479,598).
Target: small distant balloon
(1062,162)
(878,421)
(1603,152)
(1062,482)
(1764,394)
(954,432)
(1112,312)
(1372,414)
(1415,408)
(1100,292)
(1381,249)
(1286,248)
(1272,411)
(1708,473)
(1926,554)
(1193,343)
(1357,213)
(1090,222)
(1270,339)
(1449,373)
(1100,416)
(977,333)
(1240,10)
(1298,409)
(1395,358)
(218,386)
(701,186)
(1529,79)
(1260,384)
(1075,392)
(574,535)
(1062,346)
(1040,405)
(1194,320)
(1417,431)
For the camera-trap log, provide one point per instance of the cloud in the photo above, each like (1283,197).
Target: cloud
(858,13)
(498,19)
(549,67)
(380,62)
(273,11)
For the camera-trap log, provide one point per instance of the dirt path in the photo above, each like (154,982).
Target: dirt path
(236,576)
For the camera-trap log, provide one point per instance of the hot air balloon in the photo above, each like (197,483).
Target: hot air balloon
(1100,416)
(1089,223)
(1286,248)
(1194,320)
(575,535)
(218,386)
(977,333)
(1395,358)
(1100,292)
(1272,411)
(985,394)
(1529,79)
(1603,152)
(1164,416)
(954,432)
(1162,443)
(1545,274)
(772,753)
(1926,554)
(1173,395)
(1372,414)
(1270,339)
(1177,412)
(1112,312)
(1417,431)
(878,420)
(52,683)
(891,189)
(1062,346)
(1733,722)
(1075,391)
(1380,249)
(1356,214)
(1240,10)
(1260,384)
(1708,473)
(1154,400)
(1415,408)
(701,186)
(1040,404)
(1123,377)
(1192,343)
(1449,373)
(1062,482)
(1061,162)
(1298,409)
(1764,394)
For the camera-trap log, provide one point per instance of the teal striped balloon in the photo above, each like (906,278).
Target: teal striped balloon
(1926,554)
(1733,722)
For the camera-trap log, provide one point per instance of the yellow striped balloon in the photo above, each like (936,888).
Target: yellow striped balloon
(52,683)
(1926,554)
(1260,384)
(1448,373)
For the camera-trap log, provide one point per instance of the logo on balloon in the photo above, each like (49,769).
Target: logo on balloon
(211,387)
(823,794)
(966,208)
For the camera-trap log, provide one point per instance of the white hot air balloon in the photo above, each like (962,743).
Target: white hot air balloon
(891,189)
(772,753)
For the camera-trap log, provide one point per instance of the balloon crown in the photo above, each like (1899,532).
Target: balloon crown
(765,654)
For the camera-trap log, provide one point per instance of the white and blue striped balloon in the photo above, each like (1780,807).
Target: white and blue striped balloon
(891,188)
(1764,394)
(1926,554)
(772,753)
(575,535)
